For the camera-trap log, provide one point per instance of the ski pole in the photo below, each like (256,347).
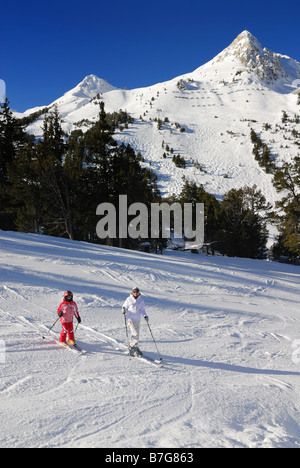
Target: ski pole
(160,357)
(126,327)
(51,328)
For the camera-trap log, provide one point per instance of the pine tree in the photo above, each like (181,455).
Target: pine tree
(54,178)
(12,138)
(244,232)
(114,170)
(26,194)
(287,181)
(192,193)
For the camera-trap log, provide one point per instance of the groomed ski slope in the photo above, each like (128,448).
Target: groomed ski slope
(226,328)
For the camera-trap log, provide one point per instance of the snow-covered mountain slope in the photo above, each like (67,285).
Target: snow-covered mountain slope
(207,117)
(227,329)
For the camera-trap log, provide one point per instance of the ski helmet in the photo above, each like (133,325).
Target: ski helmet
(68,296)
(135,290)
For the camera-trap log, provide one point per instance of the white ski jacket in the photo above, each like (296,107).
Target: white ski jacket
(134,308)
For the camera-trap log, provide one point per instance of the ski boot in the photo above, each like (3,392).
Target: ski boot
(135,351)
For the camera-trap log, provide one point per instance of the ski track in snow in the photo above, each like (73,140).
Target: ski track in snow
(225,328)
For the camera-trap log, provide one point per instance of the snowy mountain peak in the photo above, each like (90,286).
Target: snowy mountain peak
(90,86)
(261,62)
(246,42)
(243,48)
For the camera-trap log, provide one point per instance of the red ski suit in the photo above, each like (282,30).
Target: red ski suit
(69,310)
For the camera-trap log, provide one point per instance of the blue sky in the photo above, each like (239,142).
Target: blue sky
(47,48)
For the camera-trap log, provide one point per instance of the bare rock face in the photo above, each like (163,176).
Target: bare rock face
(267,65)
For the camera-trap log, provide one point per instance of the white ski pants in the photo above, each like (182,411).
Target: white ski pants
(135,333)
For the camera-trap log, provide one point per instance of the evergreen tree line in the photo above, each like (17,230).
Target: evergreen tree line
(54,185)
(286,180)
(236,226)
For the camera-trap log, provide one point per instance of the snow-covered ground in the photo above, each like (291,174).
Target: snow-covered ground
(227,329)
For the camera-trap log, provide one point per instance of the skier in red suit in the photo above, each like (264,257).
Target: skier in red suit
(67,311)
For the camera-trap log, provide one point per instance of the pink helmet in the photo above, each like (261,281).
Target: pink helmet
(68,296)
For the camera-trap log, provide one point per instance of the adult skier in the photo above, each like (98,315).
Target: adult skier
(133,310)
(67,311)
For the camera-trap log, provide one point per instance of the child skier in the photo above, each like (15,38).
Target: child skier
(66,311)
(134,309)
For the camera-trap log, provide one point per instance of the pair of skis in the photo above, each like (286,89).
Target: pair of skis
(148,359)
(71,346)
(143,357)
(77,349)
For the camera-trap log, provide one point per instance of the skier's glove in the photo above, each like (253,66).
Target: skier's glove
(78,319)
(60,314)
(146,318)
(123,310)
